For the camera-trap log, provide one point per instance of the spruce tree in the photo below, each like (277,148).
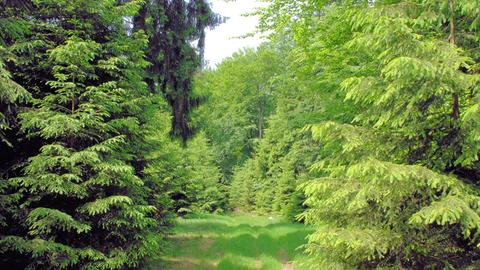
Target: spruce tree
(172,28)
(81,199)
(394,191)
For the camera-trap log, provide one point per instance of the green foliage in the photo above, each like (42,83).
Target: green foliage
(389,206)
(176,32)
(387,182)
(86,155)
(237,106)
(242,188)
(192,176)
(11,95)
(207,190)
(257,109)
(78,162)
(283,157)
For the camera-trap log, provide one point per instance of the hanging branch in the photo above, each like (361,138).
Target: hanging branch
(174,26)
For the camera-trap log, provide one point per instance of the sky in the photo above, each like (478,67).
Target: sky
(221,42)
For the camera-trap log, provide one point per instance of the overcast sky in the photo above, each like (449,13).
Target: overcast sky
(221,42)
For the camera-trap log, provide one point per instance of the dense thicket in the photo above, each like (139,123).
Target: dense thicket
(373,137)
(89,177)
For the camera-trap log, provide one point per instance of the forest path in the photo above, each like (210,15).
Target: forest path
(237,242)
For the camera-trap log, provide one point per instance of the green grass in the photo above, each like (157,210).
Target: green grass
(240,242)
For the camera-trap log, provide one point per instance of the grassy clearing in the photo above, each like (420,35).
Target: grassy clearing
(233,242)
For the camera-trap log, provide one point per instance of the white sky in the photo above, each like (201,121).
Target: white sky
(221,42)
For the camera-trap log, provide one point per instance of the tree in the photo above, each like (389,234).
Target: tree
(172,27)
(387,184)
(237,107)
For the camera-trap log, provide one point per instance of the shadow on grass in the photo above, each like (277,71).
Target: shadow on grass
(219,242)
(264,243)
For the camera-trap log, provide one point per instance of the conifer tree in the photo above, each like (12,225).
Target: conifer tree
(78,194)
(387,184)
(172,27)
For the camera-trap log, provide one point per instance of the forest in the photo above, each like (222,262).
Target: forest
(349,139)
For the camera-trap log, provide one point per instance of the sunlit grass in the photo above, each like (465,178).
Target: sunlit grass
(233,242)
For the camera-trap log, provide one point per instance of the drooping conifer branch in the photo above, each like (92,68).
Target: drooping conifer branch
(174,25)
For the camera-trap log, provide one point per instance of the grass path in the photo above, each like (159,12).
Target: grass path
(237,242)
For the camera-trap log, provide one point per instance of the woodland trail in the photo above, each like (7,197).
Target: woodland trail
(238,242)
